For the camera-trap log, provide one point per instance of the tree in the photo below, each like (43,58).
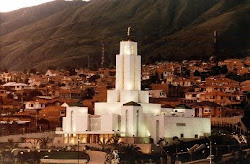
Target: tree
(216,70)
(11,144)
(94,78)
(103,144)
(176,142)
(132,152)
(224,69)
(44,142)
(246,118)
(197,73)
(163,144)
(115,141)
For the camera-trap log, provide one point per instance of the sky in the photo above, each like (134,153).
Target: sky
(10,5)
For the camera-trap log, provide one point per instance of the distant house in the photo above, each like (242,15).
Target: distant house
(15,86)
(233,65)
(166,90)
(54,115)
(70,94)
(51,73)
(3,94)
(194,96)
(245,86)
(217,97)
(9,106)
(34,105)
(208,109)
(157,94)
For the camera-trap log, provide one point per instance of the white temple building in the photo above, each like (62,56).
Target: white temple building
(128,112)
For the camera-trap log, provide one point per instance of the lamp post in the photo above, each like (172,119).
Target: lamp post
(210,150)
(210,141)
(78,145)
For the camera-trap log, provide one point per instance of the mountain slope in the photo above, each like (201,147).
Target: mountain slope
(164,29)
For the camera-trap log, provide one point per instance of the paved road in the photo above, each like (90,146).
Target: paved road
(96,157)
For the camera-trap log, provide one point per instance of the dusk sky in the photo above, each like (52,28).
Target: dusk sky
(10,5)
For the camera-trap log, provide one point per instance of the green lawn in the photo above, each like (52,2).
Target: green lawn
(64,155)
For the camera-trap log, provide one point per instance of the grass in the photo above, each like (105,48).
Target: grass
(63,155)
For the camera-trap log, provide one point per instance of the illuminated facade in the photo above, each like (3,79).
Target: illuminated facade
(127,111)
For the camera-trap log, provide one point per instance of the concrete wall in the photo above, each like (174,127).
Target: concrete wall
(109,122)
(19,137)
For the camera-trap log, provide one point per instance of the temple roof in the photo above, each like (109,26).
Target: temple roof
(131,103)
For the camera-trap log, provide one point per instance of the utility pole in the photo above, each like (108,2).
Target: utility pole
(88,61)
(215,44)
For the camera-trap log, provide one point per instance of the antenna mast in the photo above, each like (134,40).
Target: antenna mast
(103,57)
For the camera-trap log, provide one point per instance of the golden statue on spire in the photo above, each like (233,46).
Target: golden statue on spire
(128,32)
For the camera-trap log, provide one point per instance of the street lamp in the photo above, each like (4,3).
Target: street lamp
(78,145)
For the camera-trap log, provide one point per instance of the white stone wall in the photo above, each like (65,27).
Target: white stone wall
(81,122)
(127,96)
(184,112)
(144,96)
(107,108)
(129,72)
(175,126)
(132,121)
(113,96)
(109,122)
(128,48)
(119,72)
(151,108)
(137,72)
(77,119)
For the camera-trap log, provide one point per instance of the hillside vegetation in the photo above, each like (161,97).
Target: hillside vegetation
(61,34)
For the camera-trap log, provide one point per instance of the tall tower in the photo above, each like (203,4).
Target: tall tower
(128,67)
(128,86)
